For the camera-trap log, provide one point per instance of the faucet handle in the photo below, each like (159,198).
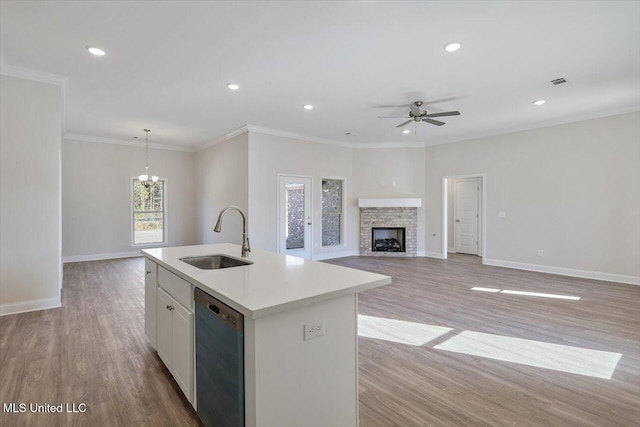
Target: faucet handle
(248,245)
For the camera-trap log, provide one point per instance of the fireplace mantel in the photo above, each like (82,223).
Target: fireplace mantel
(389,203)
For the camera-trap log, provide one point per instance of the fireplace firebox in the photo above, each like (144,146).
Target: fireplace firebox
(388,239)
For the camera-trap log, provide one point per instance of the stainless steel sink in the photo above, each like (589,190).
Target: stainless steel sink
(214,262)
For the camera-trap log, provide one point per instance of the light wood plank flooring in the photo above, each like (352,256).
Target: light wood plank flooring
(404,385)
(94,350)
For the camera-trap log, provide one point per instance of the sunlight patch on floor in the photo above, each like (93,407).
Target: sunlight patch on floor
(399,331)
(531,294)
(575,360)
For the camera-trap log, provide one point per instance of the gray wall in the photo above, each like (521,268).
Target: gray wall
(392,173)
(30,129)
(571,190)
(221,181)
(270,155)
(96,197)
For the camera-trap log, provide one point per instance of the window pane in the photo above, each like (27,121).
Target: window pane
(331,229)
(148,228)
(331,195)
(295,216)
(148,199)
(157,191)
(331,212)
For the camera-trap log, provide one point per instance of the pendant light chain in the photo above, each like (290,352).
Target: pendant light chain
(145,179)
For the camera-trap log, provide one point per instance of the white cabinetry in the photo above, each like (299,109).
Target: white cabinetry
(175,340)
(169,322)
(150,296)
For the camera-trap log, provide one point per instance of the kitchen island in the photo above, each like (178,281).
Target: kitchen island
(300,330)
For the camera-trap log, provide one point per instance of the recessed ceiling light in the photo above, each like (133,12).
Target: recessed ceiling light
(539,102)
(233,86)
(308,107)
(95,51)
(406,131)
(452,47)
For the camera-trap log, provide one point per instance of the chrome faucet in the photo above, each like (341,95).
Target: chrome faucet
(246,248)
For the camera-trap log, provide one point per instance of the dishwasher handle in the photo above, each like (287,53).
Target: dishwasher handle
(217,308)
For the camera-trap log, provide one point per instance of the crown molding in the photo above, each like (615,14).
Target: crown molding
(29,74)
(402,144)
(301,137)
(308,138)
(137,144)
(223,138)
(543,125)
(42,77)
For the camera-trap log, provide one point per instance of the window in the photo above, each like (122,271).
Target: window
(332,212)
(148,213)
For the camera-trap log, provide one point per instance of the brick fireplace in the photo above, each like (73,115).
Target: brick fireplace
(389,227)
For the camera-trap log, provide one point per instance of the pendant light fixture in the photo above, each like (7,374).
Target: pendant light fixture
(144,179)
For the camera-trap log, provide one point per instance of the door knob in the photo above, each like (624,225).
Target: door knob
(457,220)
(148,272)
(308,223)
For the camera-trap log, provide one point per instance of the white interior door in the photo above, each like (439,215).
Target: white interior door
(294,216)
(467,197)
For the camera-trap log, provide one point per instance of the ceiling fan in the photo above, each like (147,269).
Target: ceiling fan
(418,115)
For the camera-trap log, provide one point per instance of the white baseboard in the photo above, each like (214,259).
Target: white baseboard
(433,254)
(98,257)
(451,250)
(586,274)
(337,254)
(32,305)
(421,253)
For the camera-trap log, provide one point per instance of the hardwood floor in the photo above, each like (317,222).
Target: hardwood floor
(405,385)
(93,350)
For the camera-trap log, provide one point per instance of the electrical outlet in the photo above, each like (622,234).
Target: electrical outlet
(313,330)
(540,252)
(502,214)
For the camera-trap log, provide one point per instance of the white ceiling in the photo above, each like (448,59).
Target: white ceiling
(168,63)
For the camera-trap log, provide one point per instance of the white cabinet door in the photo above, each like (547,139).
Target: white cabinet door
(182,357)
(165,328)
(150,300)
(175,340)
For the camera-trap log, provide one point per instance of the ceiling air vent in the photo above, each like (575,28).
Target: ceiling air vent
(558,81)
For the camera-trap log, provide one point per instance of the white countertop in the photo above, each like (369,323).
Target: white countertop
(273,283)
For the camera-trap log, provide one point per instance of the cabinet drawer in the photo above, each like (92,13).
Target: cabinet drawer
(176,287)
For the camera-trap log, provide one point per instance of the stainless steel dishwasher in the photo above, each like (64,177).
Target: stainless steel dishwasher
(219,362)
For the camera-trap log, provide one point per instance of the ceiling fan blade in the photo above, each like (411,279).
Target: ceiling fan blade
(433,122)
(405,123)
(446,113)
(393,117)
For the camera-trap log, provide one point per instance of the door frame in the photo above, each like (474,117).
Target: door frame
(455,214)
(279,209)
(482,210)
